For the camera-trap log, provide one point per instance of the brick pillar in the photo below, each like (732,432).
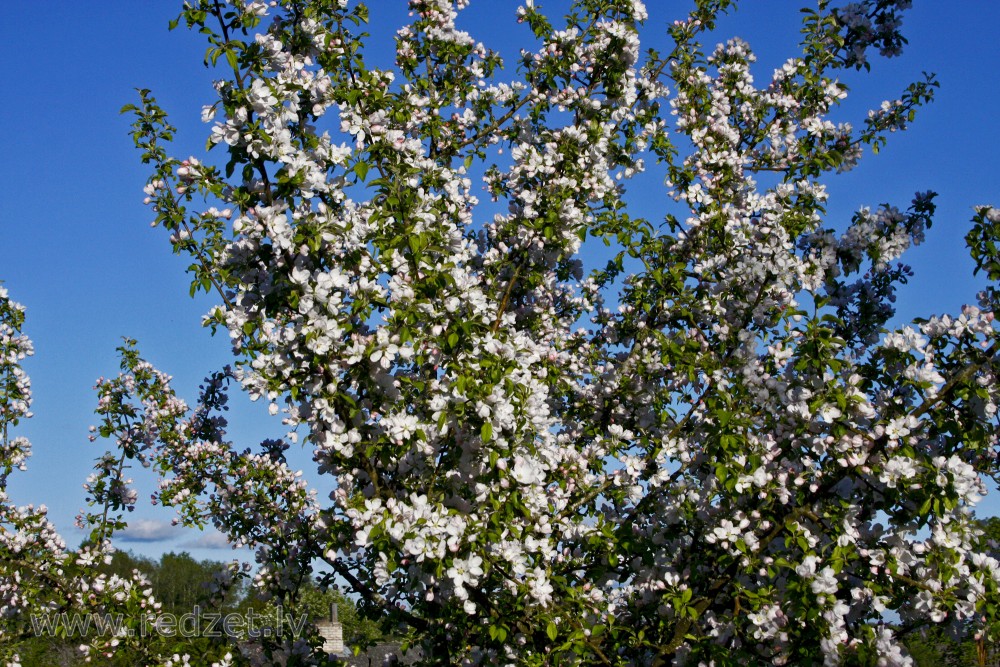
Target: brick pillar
(332,633)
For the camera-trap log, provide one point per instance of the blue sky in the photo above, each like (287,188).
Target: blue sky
(77,250)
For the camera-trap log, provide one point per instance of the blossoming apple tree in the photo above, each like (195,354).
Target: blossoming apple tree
(705,447)
(41,581)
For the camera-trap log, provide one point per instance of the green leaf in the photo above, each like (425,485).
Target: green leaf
(552,631)
(486,432)
(361,169)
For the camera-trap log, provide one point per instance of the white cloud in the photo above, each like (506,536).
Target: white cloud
(147,530)
(212,540)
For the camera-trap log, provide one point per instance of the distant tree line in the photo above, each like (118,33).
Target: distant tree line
(184,588)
